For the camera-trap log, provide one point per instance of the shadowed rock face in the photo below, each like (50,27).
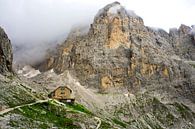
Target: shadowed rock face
(6,55)
(119,52)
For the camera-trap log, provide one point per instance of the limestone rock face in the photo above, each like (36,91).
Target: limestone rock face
(119,52)
(6,55)
(183,42)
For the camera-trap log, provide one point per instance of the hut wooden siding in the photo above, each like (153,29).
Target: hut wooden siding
(62,93)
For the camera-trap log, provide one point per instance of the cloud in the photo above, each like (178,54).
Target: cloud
(36,25)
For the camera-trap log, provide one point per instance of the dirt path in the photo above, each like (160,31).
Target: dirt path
(11,109)
(190,62)
(99,122)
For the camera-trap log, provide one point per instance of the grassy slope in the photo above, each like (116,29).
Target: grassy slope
(13,92)
(51,114)
(151,113)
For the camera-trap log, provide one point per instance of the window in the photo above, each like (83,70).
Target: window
(62,92)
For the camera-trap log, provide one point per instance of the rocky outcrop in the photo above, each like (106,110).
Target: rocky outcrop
(120,53)
(6,55)
(183,42)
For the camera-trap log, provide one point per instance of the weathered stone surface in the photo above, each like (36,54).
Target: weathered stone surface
(183,42)
(6,55)
(119,52)
(147,67)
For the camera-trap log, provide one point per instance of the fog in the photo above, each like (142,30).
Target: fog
(37,25)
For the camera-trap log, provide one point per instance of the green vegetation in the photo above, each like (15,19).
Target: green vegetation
(122,124)
(79,107)
(154,114)
(105,125)
(13,94)
(185,112)
(44,126)
(13,123)
(54,114)
(162,113)
(48,113)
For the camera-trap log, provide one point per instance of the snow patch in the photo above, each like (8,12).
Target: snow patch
(29,72)
(32,73)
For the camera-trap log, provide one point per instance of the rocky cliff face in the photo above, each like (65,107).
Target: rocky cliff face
(183,42)
(147,74)
(119,52)
(6,55)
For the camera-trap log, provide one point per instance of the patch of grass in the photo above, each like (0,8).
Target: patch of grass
(122,124)
(79,107)
(13,95)
(149,119)
(48,113)
(170,117)
(105,125)
(43,126)
(184,110)
(13,123)
(162,113)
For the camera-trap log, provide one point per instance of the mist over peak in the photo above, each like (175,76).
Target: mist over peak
(35,26)
(77,67)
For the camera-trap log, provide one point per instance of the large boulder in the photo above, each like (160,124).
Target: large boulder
(6,55)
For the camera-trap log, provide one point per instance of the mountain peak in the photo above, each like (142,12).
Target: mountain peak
(115,10)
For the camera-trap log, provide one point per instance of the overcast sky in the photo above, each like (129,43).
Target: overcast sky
(36,22)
